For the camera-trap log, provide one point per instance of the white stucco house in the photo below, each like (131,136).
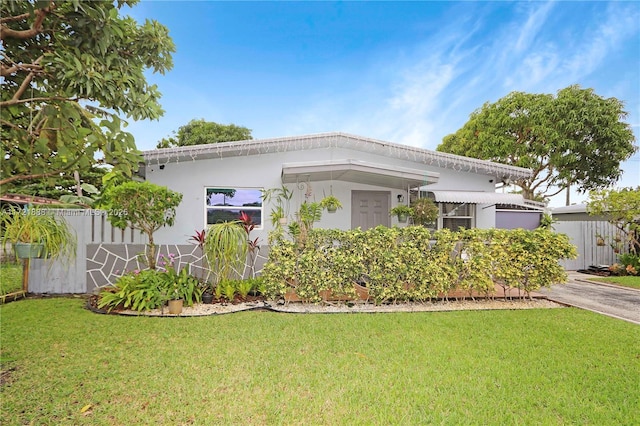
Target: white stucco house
(368,176)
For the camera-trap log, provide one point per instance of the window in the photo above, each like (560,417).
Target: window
(225,204)
(456,215)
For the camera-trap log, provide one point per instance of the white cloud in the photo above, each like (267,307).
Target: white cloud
(532,27)
(618,25)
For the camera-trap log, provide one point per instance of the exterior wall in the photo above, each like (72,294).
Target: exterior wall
(485,216)
(576,217)
(89,226)
(512,219)
(264,171)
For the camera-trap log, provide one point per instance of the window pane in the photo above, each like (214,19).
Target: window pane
(455,209)
(234,197)
(228,215)
(455,224)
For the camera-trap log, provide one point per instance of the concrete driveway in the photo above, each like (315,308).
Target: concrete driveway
(614,301)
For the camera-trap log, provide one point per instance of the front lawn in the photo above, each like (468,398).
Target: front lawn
(64,365)
(10,277)
(626,281)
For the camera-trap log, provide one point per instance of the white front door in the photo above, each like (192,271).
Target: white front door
(370,209)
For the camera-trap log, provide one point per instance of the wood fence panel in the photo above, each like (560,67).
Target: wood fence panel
(583,234)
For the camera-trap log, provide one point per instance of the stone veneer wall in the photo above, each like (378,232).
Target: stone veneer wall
(106,262)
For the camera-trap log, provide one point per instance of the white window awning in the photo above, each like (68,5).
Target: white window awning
(472,197)
(357,171)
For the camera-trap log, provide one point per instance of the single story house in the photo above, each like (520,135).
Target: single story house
(368,176)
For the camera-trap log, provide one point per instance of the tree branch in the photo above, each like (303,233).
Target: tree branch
(41,99)
(14,178)
(5,71)
(36,28)
(14,18)
(9,124)
(23,87)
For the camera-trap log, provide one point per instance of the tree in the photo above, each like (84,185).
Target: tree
(69,69)
(199,132)
(143,206)
(621,207)
(573,138)
(64,184)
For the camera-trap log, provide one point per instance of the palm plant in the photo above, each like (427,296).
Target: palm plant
(42,227)
(226,248)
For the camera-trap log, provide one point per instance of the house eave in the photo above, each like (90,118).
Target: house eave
(357,171)
(335,140)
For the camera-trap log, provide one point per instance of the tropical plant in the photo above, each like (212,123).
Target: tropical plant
(282,199)
(253,245)
(139,291)
(199,238)
(187,287)
(424,211)
(307,214)
(401,210)
(330,203)
(39,226)
(621,207)
(228,289)
(143,206)
(547,221)
(244,287)
(151,288)
(226,248)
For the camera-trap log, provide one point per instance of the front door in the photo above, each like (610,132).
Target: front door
(370,209)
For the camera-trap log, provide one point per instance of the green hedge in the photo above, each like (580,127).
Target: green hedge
(400,264)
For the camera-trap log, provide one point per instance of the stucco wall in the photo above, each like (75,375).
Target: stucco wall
(263,171)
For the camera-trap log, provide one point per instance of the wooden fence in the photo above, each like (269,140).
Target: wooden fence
(90,227)
(584,235)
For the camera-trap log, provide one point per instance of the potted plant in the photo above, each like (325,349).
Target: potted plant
(282,197)
(331,204)
(175,305)
(38,233)
(226,247)
(425,211)
(402,211)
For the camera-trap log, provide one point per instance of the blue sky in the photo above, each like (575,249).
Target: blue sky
(405,72)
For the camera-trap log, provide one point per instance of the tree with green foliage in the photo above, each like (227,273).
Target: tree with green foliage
(621,207)
(200,132)
(69,69)
(65,185)
(143,206)
(574,138)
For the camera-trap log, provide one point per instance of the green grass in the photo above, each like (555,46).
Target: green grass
(627,281)
(10,277)
(556,366)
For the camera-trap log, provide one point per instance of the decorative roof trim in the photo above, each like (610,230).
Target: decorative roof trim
(335,140)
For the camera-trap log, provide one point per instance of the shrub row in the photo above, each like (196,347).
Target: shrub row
(399,264)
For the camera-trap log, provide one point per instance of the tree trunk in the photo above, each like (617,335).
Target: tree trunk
(527,193)
(76,176)
(151,253)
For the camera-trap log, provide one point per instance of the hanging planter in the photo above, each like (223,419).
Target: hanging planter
(600,241)
(402,212)
(29,250)
(331,204)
